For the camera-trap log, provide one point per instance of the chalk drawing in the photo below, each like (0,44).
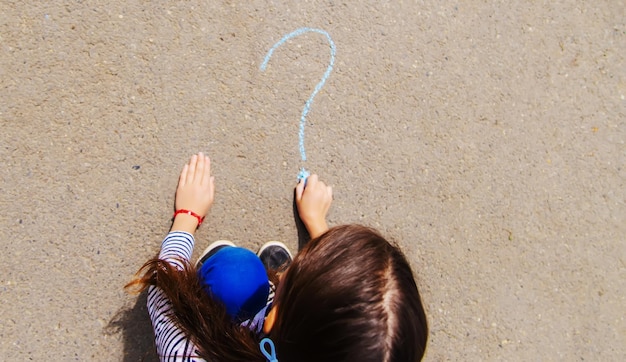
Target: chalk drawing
(303,174)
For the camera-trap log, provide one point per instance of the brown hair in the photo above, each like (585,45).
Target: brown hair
(349,296)
(203,319)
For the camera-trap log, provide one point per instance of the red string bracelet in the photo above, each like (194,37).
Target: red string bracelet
(191,213)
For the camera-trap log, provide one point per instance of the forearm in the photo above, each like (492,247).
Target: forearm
(186,223)
(316,228)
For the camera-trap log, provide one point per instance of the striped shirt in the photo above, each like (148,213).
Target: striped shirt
(171,342)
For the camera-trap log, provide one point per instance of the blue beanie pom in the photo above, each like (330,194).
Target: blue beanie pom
(236,277)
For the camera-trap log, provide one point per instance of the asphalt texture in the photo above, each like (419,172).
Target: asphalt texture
(486,138)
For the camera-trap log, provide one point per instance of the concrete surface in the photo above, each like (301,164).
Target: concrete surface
(487,138)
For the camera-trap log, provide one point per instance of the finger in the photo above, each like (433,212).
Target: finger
(212,187)
(183,175)
(199,169)
(299,190)
(191,170)
(329,192)
(311,181)
(206,177)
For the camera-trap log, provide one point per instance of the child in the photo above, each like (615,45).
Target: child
(349,295)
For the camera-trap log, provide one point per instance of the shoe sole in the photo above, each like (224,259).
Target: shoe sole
(215,244)
(274,243)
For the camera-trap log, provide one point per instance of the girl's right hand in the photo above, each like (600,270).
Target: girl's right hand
(313,203)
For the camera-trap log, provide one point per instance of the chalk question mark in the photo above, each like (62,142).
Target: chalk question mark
(303,174)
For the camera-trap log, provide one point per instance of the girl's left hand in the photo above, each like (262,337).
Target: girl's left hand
(196,186)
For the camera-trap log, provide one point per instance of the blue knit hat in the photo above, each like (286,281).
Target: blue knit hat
(236,277)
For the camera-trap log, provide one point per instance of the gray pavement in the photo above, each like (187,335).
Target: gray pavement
(486,138)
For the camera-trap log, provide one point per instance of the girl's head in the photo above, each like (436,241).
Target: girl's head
(349,295)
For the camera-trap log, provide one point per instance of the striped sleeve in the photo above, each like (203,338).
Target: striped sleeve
(177,246)
(171,342)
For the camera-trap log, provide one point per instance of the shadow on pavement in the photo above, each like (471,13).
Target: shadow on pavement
(303,234)
(136,329)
